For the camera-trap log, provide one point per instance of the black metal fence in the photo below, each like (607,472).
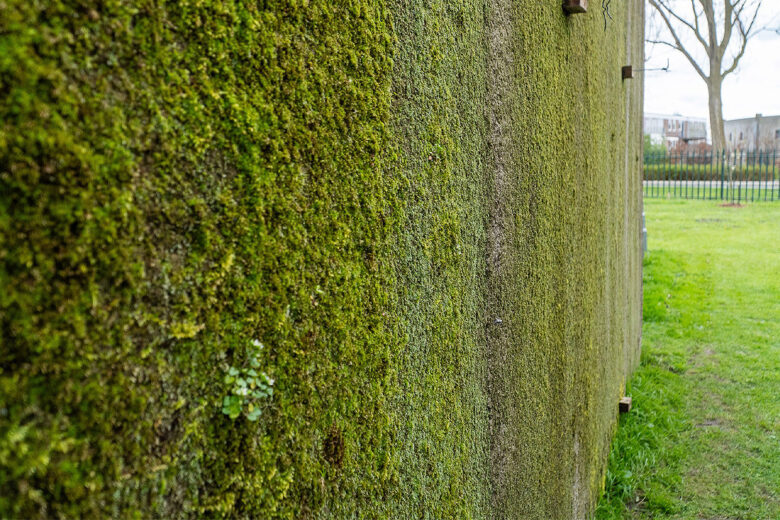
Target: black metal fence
(740,176)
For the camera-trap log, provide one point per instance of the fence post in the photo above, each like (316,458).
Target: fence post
(710,177)
(731,180)
(774,164)
(722,171)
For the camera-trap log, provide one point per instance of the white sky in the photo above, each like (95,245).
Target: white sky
(753,88)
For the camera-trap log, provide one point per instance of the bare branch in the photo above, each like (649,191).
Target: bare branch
(694,28)
(734,15)
(745,34)
(696,22)
(662,9)
(728,11)
(662,42)
(772,25)
(712,27)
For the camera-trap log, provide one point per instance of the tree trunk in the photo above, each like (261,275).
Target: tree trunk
(716,113)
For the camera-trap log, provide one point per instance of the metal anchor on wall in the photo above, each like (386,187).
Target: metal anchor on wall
(628,71)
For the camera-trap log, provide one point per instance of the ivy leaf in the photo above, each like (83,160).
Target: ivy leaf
(253,415)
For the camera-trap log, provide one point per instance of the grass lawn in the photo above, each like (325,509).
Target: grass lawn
(703,438)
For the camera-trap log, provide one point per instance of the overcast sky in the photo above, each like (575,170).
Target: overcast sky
(753,88)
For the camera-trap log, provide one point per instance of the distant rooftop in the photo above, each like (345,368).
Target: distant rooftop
(675,116)
(752,118)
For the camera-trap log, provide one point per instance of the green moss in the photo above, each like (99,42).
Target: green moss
(179,180)
(512,419)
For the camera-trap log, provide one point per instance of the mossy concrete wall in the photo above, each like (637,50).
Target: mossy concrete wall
(427,211)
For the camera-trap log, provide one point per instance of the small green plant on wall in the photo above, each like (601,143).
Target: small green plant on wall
(249,388)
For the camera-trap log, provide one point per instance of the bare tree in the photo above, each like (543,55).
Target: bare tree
(722,28)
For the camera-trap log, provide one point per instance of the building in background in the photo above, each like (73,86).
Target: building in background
(753,133)
(676,132)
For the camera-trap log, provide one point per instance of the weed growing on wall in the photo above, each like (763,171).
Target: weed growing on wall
(248,387)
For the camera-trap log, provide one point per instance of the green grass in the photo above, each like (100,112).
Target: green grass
(702,440)
(735,194)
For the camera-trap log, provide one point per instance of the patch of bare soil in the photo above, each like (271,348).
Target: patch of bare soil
(709,423)
(636,506)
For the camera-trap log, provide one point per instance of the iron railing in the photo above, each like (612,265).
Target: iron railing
(740,176)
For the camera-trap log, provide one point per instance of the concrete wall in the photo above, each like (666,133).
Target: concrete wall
(420,219)
(544,183)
